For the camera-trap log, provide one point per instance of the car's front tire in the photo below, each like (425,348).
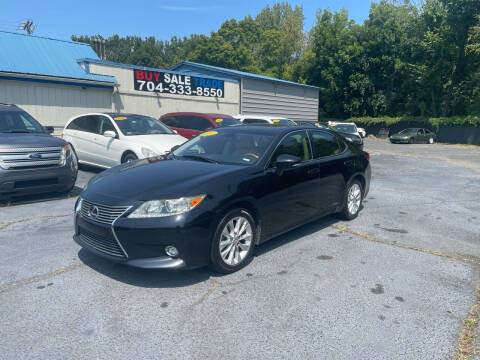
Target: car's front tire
(353,201)
(431,141)
(411,141)
(129,157)
(233,241)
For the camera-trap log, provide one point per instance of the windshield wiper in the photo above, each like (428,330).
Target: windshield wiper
(200,158)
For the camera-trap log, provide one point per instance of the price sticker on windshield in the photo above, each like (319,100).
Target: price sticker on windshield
(209,133)
(120,118)
(218,120)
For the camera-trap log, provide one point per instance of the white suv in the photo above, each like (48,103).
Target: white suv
(262,119)
(345,127)
(109,139)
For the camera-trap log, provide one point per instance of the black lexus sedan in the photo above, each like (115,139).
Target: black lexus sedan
(210,201)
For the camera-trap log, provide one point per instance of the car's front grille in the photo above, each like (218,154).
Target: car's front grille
(101,213)
(23,158)
(104,244)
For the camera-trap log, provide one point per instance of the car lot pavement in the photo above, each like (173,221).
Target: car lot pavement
(395,283)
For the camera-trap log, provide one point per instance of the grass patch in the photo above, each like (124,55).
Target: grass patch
(467,341)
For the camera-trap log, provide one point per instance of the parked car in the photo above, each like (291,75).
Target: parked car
(306,123)
(262,119)
(412,136)
(190,124)
(109,139)
(31,160)
(362,132)
(349,131)
(217,196)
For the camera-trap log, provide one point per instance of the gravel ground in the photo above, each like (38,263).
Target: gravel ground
(393,284)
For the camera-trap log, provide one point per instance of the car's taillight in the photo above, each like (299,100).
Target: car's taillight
(367,156)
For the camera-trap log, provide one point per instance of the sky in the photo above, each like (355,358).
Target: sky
(160,18)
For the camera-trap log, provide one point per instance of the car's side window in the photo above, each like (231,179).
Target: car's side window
(255,121)
(420,132)
(295,144)
(325,144)
(184,122)
(171,121)
(200,123)
(106,125)
(84,123)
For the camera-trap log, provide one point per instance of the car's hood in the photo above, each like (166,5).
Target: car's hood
(148,180)
(20,140)
(160,143)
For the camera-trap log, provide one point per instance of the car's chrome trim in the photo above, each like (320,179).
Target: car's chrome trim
(115,234)
(163,262)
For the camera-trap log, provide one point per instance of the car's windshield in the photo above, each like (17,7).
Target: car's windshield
(347,128)
(19,122)
(226,121)
(140,125)
(243,148)
(408,131)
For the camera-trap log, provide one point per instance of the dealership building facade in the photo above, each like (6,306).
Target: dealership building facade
(55,80)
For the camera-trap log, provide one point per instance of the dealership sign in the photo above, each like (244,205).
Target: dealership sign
(163,82)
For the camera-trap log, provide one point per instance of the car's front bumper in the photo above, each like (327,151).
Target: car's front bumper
(399,141)
(35,181)
(142,242)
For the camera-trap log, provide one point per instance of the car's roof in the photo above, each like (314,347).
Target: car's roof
(264,129)
(9,107)
(196,114)
(262,117)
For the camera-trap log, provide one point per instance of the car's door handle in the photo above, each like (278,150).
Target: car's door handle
(313,171)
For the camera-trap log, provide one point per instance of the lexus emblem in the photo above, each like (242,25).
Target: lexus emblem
(93,212)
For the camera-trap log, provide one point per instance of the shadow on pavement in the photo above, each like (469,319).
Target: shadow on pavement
(160,278)
(154,278)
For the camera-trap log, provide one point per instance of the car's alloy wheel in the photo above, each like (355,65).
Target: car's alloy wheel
(233,242)
(353,201)
(430,141)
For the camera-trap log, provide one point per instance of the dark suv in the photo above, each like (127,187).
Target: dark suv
(190,124)
(31,160)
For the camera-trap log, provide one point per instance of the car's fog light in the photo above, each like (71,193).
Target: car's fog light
(171,251)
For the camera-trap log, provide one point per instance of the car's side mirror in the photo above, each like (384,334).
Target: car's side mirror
(285,161)
(110,134)
(175,131)
(50,129)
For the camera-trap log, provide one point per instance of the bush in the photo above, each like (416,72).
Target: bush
(469,120)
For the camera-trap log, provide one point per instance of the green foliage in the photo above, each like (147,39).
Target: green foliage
(470,120)
(404,61)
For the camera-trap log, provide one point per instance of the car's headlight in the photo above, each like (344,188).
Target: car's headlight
(64,155)
(161,208)
(148,152)
(78,207)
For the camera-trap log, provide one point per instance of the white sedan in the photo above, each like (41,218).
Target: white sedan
(263,119)
(109,139)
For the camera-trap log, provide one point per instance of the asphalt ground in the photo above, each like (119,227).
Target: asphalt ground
(396,283)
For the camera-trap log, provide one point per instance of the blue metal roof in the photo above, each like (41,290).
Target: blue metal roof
(203,70)
(27,54)
(129,66)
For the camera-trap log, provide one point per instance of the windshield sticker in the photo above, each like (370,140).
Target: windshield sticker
(209,133)
(218,120)
(120,118)
(317,124)
(276,121)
